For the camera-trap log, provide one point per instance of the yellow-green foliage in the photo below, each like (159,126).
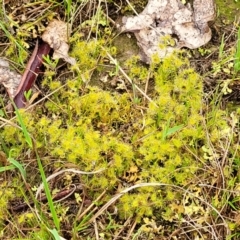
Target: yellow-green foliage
(6,193)
(88,55)
(175,123)
(137,5)
(135,72)
(97,129)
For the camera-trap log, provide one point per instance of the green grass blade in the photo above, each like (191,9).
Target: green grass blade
(174,129)
(48,194)
(221,47)
(19,166)
(12,39)
(24,129)
(3,169)
(55,234)
(167,131)
(237,54)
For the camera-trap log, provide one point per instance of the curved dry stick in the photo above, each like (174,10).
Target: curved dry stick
(31,72)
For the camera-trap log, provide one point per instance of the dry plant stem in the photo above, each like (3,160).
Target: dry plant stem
(40,188)
(130,5)
(174,233)
(60,196)
(39,12)
(214,236)
(194,227)
(117,196)
(211,229)
(224,158)
(6,18)
(214,230)
(129,79)
(131,230)
(92,8)
(14,225)
(64,194)
(8,122)
(78,11)
(234,29)
(220,189)
(33,105)
(122,228)
(49,99)
(90,206)
(216,160)
(109,19)
(146,86)
(96,229)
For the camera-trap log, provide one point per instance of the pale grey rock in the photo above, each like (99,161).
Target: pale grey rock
(8,78)
(187,25)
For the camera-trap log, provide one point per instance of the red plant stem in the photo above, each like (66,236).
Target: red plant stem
(31,72)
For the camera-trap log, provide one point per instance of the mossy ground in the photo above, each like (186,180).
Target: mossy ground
(181,138)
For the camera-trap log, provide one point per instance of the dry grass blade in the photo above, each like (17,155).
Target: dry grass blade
(126,223)
(72,170)
(133,9)
(117,196)
(114,61)
(8,122)
(96,229)
(79,216)
(131,229)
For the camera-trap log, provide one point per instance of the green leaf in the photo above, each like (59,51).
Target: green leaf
(237,54)
(48,194)
(171,131)
(3,169)
(55,234)
(28,94)
(19,166)
(1,113)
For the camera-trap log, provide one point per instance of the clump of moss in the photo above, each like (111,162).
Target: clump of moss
(174,123)
(6,193)
(88,130)
(95,129)
(137,5)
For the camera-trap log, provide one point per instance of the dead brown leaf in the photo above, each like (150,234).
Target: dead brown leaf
(56,35)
